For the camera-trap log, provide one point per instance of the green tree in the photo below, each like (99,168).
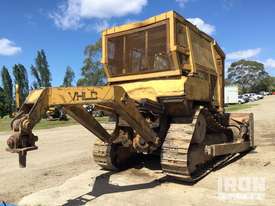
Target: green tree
(250,76)
(69,77)
(92,71)
(273,84)
(8,90)
(21,79)
(3,111)
(41,71)
(265,85)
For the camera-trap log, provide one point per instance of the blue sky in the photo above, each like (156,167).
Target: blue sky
(243,28)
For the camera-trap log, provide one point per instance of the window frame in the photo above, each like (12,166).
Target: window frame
(145,28)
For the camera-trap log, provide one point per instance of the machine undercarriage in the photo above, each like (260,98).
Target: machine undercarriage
(190,148)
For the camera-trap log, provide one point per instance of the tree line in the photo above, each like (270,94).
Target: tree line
(91,74)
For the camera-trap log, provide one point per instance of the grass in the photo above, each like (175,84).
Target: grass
(44,124)
(237,107)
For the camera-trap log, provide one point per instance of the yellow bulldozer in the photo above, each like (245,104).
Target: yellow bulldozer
(165,90)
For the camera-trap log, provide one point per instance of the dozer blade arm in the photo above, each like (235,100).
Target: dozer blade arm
(111,98)
(79,114)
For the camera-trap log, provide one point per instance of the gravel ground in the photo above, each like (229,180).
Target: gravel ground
(62,172)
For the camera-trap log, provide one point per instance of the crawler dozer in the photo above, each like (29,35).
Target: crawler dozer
(165,90)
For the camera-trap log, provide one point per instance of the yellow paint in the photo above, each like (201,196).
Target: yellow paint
(191,57)
(34,95)
(196,89)
(17,97)
(145,76)
(80,95)
(152,89)
(134,25)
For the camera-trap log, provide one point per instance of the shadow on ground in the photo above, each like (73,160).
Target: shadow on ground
(102,184)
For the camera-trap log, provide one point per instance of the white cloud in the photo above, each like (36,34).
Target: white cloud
(227,64)
(70,14)
(8,48)
(182,2)
(66,16)
(102,25)
(270,63)
(207,28)
(243,54)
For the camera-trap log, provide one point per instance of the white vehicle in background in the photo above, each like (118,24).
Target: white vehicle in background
(253,96)
(260,96)
(250,99)
(264,93)
(241,100)
(257,96)
(245,98)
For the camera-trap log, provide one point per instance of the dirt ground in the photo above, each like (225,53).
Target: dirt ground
(62,172)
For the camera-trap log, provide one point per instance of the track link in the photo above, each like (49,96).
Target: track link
(113,156)
(103,155)
(174,155)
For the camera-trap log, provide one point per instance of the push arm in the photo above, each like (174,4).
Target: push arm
(111,98)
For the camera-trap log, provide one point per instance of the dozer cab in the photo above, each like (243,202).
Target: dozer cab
(165,88)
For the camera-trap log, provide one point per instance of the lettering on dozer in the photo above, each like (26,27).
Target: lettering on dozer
(83,96)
